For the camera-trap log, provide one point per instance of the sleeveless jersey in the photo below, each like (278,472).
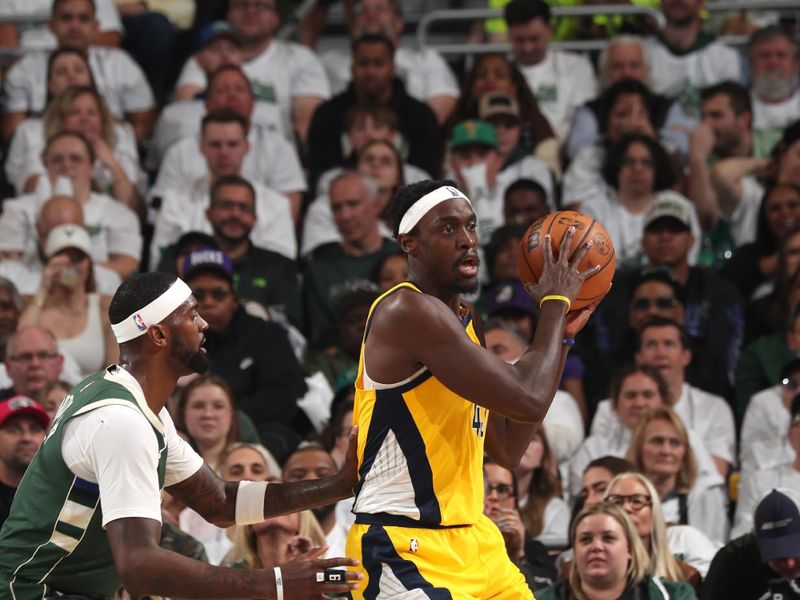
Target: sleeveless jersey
(420,447)
(53,540)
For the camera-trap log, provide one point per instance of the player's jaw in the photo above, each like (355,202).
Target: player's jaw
(466,270)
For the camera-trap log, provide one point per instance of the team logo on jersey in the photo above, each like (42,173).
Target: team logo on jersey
(413,545)
(139,322)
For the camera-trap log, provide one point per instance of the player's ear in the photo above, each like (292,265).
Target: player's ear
(407,242)
(158,335)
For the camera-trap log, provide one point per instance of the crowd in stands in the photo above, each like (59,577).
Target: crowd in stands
(188,137)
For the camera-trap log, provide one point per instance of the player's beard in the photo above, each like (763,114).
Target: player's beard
(196,360)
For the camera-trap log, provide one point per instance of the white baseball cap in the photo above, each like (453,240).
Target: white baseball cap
(67,236)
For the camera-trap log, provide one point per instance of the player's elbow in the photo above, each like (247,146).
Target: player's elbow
(531,409)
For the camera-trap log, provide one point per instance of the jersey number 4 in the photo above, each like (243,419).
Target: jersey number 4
(478,424)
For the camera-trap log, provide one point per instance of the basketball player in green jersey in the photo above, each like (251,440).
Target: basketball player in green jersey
(86,517)
(427,398)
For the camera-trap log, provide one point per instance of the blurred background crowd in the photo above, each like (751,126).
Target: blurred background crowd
(250,146)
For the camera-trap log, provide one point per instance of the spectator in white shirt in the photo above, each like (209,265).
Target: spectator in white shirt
(560,81)
(270,160)
(684,59)
(113,227)
(755,484)
(223,145)
(660,449)
(775,88)
(116,75)
(82,110)
(766,422)
(425,73)
(26,272)
(283,73)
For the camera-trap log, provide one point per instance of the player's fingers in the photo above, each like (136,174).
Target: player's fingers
(580,254)
(589,272)
(548,249)
(314,554)
(339,561)
(566,243)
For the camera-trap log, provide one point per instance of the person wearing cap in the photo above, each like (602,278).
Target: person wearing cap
(783,472)
(283,73)
(561,81)
(252,355)
(374,82)
(332,267)
(267,158)
(763,564)
(67,302)
(426,74)
(23,423)
(26,271)
(113,446)
(476,163)
(424,392)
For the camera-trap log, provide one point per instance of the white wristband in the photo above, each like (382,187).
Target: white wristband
(278,583)
(250,502)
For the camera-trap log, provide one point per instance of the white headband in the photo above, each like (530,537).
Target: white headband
(421,207)
(137,324)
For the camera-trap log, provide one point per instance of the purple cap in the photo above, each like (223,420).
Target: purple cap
(509,295)
(207,260)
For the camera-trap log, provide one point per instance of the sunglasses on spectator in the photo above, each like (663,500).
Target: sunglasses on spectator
(661,303)
(217,293)
(637,501)
(503,490)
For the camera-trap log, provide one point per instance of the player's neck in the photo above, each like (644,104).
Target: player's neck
(154,376)
(432,287)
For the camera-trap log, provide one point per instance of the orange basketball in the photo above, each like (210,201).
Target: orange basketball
(530,258)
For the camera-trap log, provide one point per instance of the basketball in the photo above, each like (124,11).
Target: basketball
(530,258)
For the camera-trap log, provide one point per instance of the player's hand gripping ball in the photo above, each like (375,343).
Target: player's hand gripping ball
(530,258)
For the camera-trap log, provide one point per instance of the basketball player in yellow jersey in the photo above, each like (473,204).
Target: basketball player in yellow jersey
(428,396)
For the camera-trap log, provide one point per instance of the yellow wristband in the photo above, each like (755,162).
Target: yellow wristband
(555,297)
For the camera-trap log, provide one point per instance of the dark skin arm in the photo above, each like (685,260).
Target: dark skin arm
(215,499)
(522,392)
(147,569)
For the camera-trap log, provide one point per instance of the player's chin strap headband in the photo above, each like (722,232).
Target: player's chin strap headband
(421,207)
(137,324)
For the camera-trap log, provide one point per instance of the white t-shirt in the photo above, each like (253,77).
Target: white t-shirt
(26,275)
(561,83)
(612,442)
(583,179)
(38,36)
(692,546)
(707,510)
(214,539)
(284,70)
(754,486)
(767,115)
(112,226)
(683,76)
(183,211)
(183,119)
(627,229)
(424,73)
(121,81)
(318,225)
(115,447)
(744,219)
(271,160)
(563,426)
(25,155)
(763,441)
(555,524)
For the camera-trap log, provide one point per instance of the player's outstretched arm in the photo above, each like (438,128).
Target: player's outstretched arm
(215,499)
(149,570)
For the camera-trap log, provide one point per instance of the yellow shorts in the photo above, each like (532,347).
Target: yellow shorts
(463,563)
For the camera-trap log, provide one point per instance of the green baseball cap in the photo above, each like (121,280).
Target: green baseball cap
(473,131)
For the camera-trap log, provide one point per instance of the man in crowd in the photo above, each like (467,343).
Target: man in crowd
(23,423)
(32,361)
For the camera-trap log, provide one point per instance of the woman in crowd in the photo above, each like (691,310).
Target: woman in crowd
(68,305)
(634,493)
(501,506)
(207,414)
(51,396)
(754,266)
(636,170)
(496,73)
(660,449)
(611,562)
(391,270)
(544,512)
(634,390)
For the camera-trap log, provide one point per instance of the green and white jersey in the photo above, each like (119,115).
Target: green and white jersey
(112,463)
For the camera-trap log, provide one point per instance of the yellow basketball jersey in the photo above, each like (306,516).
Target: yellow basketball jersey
(420,447)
